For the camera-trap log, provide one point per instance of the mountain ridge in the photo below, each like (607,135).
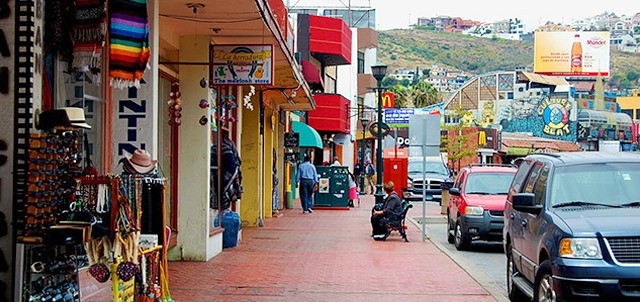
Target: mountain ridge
(421,48)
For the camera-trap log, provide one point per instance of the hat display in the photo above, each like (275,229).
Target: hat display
(53,118)
(76,117)
(139,162)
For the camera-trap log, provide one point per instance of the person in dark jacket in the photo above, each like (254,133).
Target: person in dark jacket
(391,212)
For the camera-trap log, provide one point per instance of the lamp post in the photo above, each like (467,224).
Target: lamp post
(365,121)
(379,70)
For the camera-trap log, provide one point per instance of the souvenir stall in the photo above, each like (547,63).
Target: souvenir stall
(111,226)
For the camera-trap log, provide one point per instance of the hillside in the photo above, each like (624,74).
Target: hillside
(411,48)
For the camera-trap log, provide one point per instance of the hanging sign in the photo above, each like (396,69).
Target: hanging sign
(291,140)
(242,64)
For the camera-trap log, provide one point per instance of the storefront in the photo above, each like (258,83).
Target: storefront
(144,79)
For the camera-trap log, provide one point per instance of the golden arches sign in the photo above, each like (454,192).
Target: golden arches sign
(388,100)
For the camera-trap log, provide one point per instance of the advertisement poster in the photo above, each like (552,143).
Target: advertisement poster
(242,64)
(572,53)
(398,117)
(324,185)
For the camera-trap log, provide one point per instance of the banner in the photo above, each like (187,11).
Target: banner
(572,53)
(398,117)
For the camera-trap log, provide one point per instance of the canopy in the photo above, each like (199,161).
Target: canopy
(309,137)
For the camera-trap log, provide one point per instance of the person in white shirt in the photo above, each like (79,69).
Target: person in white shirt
(336,162)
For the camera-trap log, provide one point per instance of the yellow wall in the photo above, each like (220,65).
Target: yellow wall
(629,102)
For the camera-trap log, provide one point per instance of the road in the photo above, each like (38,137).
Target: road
(485,262)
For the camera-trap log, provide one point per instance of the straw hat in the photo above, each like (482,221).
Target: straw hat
(76,117)
(140,162)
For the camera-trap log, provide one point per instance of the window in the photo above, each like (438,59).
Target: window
(540,186)
(360,62)
(330,85)
(533,177)
(168,154)
(521,175)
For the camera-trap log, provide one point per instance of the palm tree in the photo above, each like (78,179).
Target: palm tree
(402,96)
(424,94)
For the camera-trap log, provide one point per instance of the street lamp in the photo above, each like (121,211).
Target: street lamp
(365,121)
(379,70)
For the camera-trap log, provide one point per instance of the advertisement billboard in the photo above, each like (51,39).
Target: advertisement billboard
(572,53)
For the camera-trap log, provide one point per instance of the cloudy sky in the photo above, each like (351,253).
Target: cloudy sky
(400,13)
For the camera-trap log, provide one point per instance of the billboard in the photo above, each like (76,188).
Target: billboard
(572,53)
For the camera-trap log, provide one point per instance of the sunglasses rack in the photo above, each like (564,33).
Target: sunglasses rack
(54,163)
(53,272)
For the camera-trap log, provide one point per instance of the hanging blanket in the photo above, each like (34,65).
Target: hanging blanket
(88,33)
(129,42)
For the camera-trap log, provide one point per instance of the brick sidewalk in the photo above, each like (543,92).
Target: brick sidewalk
(327,255)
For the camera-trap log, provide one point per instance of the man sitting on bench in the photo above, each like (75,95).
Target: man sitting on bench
(389,214)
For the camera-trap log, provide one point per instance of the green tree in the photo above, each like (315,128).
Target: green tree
(424,94)
(457,148)
(402,96)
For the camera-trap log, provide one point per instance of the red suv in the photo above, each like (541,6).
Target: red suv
(476,204)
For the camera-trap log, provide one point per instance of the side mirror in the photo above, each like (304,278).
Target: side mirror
(454,191)
(523,202)
(447,184)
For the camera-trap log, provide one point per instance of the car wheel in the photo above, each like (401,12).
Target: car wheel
(461,239)
(543,287)
(450,237)
(515,294)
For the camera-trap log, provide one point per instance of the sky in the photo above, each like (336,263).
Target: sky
(392,14)
(399,13)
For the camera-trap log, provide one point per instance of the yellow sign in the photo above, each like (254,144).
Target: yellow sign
(388,100)
(572,53)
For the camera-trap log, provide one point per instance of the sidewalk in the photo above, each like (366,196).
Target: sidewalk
(327,255)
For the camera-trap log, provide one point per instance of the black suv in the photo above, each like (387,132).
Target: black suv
(572,228)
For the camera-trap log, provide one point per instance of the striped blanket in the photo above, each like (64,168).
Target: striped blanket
(129,42)
(88,33)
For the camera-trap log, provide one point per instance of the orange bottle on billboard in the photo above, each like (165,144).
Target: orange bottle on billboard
(576,54)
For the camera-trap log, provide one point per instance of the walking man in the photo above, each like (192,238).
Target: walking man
(307,181)
(369,171)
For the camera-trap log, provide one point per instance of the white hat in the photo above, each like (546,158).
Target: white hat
(76,117)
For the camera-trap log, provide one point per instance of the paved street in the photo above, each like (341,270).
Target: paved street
(327,255)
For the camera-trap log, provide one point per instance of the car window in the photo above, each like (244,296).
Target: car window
(459,180)
(533,177)
(540,187)
(521,175)
(611,183)
(488,183)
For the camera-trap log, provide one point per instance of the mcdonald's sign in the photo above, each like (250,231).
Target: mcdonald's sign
(388,100)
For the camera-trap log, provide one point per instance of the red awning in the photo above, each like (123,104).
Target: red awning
(311,74)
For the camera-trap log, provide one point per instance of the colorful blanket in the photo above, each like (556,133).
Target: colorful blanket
(129,42)
(88,33)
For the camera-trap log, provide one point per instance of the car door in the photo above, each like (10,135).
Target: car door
(527,221)
(515,229)
(534,225)
(454,201)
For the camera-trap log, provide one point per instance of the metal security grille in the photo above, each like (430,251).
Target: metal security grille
(625,249)
(23,86)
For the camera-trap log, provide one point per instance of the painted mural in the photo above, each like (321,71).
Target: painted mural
(543,115)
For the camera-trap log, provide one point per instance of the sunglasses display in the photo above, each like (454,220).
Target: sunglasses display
(54,163)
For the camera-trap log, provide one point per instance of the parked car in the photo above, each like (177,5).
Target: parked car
(426,177)
(572,228)
(476,204)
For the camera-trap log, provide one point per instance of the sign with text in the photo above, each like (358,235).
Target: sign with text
(291,140)
(572,53)
(398,117)
(242,64)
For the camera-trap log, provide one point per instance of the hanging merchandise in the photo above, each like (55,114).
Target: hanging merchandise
(129,42)
(88,33)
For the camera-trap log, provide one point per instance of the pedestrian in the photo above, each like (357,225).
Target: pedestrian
(369,172)
(307,181)
(389,213)
(357,171)
(353,190)
(336,162)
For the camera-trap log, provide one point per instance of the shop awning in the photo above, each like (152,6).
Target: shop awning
(309,137)
(311,74)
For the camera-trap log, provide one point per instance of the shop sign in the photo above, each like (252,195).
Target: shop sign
(555,116)
(242,64)
(398,117)
(291,140)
